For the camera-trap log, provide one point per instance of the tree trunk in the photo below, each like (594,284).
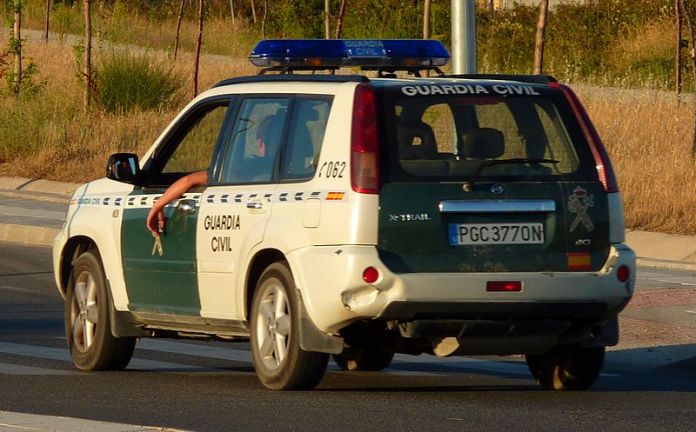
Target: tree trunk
(540,37)
(87,61)
(490,5)
(692,52)
(253,11)
(178,27)
(199,42)
(263,19)
(48,16)
(327,19)
(339,20)
(678,65)
(426,19)
(17,48)
(234,24)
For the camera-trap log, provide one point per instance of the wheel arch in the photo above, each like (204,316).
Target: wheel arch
(73,248)
(261,260)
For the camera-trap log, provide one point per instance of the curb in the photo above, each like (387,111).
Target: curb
(27,234)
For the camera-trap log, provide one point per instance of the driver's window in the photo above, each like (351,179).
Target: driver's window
(195,150)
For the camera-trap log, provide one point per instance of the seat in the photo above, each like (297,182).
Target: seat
(416,141)
(483,143)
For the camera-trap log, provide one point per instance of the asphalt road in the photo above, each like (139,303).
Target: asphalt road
(210,386)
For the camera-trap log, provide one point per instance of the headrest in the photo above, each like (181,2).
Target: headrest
(416,140)
(483,143)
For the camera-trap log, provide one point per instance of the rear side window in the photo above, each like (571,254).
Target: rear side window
(530,135)
(305,137)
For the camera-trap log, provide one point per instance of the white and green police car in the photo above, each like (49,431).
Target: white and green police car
(443,215)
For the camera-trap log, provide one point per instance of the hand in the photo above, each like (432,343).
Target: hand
(156,221)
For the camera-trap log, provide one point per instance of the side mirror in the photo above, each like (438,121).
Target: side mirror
(123,167)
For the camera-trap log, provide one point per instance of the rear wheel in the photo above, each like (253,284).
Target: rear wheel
(567,367)
(364,358)
(87,320)
(279,361)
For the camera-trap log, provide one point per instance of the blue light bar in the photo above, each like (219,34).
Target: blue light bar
(335,53)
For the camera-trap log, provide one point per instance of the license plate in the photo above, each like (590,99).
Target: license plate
(489,234)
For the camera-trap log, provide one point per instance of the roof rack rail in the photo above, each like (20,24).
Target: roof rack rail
(533,79)
(293,77)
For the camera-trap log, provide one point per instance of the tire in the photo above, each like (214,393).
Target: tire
(87,320)
(567,367)
(364,358)
(279,361)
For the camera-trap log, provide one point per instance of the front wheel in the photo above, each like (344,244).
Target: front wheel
(567,367)
(87,320)
(279,361)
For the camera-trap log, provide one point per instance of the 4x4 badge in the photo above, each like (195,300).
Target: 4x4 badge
(579,202)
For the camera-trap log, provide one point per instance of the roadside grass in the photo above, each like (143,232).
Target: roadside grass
(649,136)
(46,134)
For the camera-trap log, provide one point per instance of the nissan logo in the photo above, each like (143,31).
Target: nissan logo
(497,189)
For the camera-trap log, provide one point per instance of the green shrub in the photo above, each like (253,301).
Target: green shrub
(125,82)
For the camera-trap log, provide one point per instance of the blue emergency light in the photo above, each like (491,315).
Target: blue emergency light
(336,53)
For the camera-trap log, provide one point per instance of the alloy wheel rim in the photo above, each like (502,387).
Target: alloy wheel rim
(84,313)
(273,326)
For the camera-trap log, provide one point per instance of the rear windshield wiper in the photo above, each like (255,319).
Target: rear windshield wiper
(474,177)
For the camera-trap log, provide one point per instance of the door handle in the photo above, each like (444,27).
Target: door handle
(254,205)
(186,206)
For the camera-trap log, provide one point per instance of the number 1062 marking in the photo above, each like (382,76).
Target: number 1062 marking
(333,169)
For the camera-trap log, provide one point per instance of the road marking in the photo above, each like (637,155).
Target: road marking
(689,311)
(61,354)
(13,422)
(15,369)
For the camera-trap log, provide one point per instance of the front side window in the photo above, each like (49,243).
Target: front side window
(195,151)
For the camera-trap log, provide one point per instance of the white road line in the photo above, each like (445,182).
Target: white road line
(195,350)
(14,369)
(61,354)
(18,422)
(676,282)
(689,311)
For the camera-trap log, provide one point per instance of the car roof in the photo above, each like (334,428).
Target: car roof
(541,80)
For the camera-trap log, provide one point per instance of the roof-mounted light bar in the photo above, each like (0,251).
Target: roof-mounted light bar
(337,53)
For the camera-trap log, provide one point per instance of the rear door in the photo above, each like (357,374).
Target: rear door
(462,191)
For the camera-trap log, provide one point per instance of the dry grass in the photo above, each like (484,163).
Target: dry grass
(648,135)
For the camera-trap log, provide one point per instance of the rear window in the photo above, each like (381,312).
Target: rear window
(498,132)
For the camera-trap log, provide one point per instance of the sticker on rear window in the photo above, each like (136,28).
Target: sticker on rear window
(468,89)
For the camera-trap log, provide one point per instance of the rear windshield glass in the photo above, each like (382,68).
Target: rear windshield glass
(487,131)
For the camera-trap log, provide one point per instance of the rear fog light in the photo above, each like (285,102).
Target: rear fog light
(623,273)
(504,286)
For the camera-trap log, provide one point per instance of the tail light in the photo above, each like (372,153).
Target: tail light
(599,152)
(364,145)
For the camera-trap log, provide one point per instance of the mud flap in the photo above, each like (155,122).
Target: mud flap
(120,322)
(313,339)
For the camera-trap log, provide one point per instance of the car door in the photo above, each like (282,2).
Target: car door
(165,281)
(237,206)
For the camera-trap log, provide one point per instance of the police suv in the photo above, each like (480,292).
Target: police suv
(358,217)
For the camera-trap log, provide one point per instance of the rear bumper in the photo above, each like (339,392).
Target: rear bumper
(335,295)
